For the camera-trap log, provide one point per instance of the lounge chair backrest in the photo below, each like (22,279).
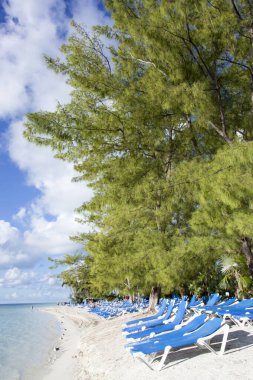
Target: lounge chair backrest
(169,310)
(245,303)
(242,305)
(192,301)
(162,308)
(228,302)
(214,298)
(192,325)
(180,312)
(207,328)
(145,319)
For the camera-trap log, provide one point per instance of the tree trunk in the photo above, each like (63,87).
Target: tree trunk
(238,289)
(154,297)
(247,251)
(130,292)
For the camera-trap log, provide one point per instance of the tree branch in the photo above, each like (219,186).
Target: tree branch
(236,10)
(149,63)
(221,133)
(238,64)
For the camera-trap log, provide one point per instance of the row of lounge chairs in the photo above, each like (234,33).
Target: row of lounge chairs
(116,308)
(240,313)
(178,324)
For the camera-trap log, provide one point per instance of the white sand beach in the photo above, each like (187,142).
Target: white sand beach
(93,349)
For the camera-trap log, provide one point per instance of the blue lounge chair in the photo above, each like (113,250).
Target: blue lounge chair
(193,302)
(151,323)
(241,313)
(237,308)
(246,303)
(165,326)
(149,352)
(155,316)
(242,320)
(221,305)
(213,299)
(192,324)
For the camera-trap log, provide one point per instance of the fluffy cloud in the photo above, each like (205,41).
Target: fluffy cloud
(15,276)
(20,215)
(13,255)
(88,13)
(32,29)
(7,232)
(49,175)
(59,196)
(28,286)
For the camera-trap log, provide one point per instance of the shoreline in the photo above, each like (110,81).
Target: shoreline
(63,361)
(93,349)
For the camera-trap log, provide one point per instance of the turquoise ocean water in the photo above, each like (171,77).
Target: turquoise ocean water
(27,338)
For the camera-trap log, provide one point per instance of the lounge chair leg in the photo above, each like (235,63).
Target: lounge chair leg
(243,323)
(205,342)
(152,357)
(164,357)
(143,359)
(224,340)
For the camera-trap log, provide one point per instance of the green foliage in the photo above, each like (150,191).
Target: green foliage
(159,124)
(76,275)
(234,275)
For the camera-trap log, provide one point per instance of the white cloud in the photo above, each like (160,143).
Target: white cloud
(88,13)
(59,196)
(14,276)
(20,215)
(25,81)
(51,281)
(32,29)
(49,175)
(28,286)
(48,279)
(13,253)
(51,238)
(7,232)
(12,296)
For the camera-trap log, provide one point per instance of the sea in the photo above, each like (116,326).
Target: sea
(27,339)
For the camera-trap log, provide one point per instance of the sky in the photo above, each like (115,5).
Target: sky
(37,196)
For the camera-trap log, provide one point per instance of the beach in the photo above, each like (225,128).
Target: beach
(92,348)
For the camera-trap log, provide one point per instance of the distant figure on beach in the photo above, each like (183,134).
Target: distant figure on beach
(32,307)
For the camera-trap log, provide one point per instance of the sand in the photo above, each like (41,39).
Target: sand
(93,349)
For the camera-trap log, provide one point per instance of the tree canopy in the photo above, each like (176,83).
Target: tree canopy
(160,125)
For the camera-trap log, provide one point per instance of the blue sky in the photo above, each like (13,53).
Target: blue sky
(14,191)
(37,197)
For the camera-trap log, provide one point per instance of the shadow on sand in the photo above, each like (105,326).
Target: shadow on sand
(237,340)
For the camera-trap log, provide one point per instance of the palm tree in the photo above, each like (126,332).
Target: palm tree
(234,275)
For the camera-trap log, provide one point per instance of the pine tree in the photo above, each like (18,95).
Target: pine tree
(145,119)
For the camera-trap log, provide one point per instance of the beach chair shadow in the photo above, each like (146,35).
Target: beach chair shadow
(149,351)
(237,340)
(189,352)
(183,355)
